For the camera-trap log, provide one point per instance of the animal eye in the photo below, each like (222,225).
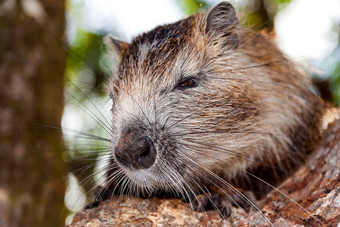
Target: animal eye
(187,83)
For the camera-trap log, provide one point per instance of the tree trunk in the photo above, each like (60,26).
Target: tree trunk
(315,187)
(32,63)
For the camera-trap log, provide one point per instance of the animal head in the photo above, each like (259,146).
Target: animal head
(189,102)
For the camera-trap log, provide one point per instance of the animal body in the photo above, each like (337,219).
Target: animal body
(202,109)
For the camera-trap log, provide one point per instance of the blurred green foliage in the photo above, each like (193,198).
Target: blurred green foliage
(191,6)
(85,63)
(334,76)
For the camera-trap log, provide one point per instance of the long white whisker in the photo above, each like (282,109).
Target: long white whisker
(285,195)
(232,188)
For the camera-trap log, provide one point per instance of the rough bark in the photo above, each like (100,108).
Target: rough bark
(31,79)
(315,187)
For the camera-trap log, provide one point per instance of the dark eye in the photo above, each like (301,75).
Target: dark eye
(187,83)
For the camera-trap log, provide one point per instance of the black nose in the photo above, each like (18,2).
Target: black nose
(140,155)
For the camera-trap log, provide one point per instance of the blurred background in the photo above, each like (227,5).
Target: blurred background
(55,112)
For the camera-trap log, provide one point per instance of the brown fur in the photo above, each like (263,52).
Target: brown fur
(252,110)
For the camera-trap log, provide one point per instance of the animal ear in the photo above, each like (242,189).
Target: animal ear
(220,24)
(115,46)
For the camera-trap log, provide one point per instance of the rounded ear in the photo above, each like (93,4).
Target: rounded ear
(115,50)
(221,23)
(115,46)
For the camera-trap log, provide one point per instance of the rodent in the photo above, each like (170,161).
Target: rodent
(203,103)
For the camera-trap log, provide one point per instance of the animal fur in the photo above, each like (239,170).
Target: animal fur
(252,110)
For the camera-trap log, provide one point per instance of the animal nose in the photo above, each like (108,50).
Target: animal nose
(140,154)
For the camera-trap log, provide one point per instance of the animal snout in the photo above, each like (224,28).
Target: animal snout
(136,153)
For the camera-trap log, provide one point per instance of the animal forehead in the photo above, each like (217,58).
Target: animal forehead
(156,49)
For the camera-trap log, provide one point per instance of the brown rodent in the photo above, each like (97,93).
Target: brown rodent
(203,105)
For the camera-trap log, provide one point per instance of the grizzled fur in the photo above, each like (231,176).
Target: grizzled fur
(251,109)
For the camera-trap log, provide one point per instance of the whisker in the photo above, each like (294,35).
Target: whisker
(88,98)
(231,132)
(75,132)
(91,175)
(234,190)
(184,118)
(166,121)
(141,109)
(284,194)
(86,151)
(91,114)
(215,147)
(228,187)
(89,145)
